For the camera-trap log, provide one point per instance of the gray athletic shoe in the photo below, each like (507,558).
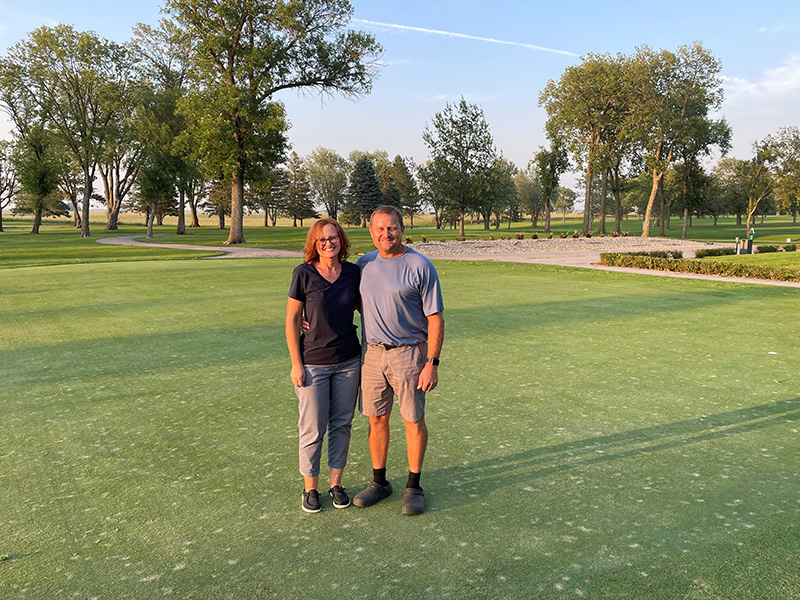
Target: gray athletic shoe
(413,501)
(374,493)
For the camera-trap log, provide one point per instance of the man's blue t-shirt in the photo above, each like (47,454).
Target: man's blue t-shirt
(397,296)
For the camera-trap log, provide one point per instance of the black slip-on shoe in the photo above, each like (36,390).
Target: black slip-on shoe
(374,493)
(340,497)
(311,502)
(413,501)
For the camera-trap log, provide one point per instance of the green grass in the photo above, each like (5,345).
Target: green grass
(594,434)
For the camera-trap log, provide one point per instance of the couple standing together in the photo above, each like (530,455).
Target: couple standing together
(397,291)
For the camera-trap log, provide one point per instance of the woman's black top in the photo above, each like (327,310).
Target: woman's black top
(329,309)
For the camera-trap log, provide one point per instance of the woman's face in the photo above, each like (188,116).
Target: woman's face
(328,243)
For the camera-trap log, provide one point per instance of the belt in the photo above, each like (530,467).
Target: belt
(387,346)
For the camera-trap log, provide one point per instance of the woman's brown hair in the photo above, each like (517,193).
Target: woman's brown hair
(310,250)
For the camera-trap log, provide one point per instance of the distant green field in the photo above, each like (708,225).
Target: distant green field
(594,434)
(59,242)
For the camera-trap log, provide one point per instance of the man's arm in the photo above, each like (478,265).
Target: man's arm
(429,377)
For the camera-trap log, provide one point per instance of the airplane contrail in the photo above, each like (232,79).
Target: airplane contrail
(464,36)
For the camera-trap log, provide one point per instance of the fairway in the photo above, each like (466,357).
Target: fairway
(594,435)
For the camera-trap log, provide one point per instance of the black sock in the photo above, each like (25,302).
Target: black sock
(413,480)
(379,476)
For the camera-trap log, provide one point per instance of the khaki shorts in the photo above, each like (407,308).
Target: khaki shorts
(385,373)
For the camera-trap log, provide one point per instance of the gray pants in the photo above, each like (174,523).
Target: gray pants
(327,401)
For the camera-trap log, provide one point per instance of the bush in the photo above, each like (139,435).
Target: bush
(534,236)
(424,239)
(588,234)
(641,260)
(714,252)
(789,247)
(408,240)
(491,236)
(520,236)
(549,237)
(562,235)
(576,235)
(765,249)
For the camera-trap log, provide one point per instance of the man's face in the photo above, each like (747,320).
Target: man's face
(387,234)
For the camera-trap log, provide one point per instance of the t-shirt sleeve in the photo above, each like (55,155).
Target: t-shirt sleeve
(297,289)
(430,290)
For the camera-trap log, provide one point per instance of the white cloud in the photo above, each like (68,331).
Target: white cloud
(462,36)
(760,107)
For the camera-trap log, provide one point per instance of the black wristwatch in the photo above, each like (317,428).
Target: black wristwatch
(433,361)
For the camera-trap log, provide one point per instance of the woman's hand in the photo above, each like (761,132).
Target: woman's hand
(298,375)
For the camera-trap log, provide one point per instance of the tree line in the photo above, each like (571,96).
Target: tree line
(185,117)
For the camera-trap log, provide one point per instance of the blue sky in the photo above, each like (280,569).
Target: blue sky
(499,54)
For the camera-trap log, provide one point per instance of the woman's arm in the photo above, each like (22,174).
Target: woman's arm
(294,316)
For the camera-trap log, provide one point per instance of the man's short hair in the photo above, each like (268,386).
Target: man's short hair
(388,210)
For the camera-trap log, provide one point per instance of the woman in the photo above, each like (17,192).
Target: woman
(326,358)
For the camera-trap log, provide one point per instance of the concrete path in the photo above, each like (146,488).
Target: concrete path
(227,251)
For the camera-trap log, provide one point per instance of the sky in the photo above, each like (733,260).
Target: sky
(498,54)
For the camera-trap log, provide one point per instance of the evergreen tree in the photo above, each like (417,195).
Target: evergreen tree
(363,195)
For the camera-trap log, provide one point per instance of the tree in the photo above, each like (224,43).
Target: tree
(298,203)
(327,174)
(757,175)
(363,194)
(407,186)
(586,109)
(787,185)
(551,164)
(162,60)
(462,149)
(529,192)
(565,200)
(37,169)
(672,96)
(498,192)
(76,81)
(244,52)
(8,178)
(432,192)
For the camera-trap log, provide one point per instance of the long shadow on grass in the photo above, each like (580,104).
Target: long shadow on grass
(520,469)
(146,354)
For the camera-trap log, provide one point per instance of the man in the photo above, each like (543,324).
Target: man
(403,330)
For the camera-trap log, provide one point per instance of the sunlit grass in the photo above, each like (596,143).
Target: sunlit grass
(594,435)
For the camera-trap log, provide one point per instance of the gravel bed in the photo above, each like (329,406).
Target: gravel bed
(604,244)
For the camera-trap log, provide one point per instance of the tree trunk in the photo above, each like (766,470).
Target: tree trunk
(648,213)
(662,208)
(87,196)
(738,219)
(601,226)
(587,202)
(221,216)
(76,213)
(181,212)
(193,207)
(236,235)
(461,224)
(685,223)
(150,218)
(487,216)
(37,220)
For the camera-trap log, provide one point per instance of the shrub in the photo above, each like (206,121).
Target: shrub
(641,260)
(624,234)
(491,236)
(576,235)
(534,236)
(562,235)
(424,239)
(409,240)
(588,234)
(789,247)
(520,236)
(461,239)
(442,240)
(549,237)
(714,252)
(765,249)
